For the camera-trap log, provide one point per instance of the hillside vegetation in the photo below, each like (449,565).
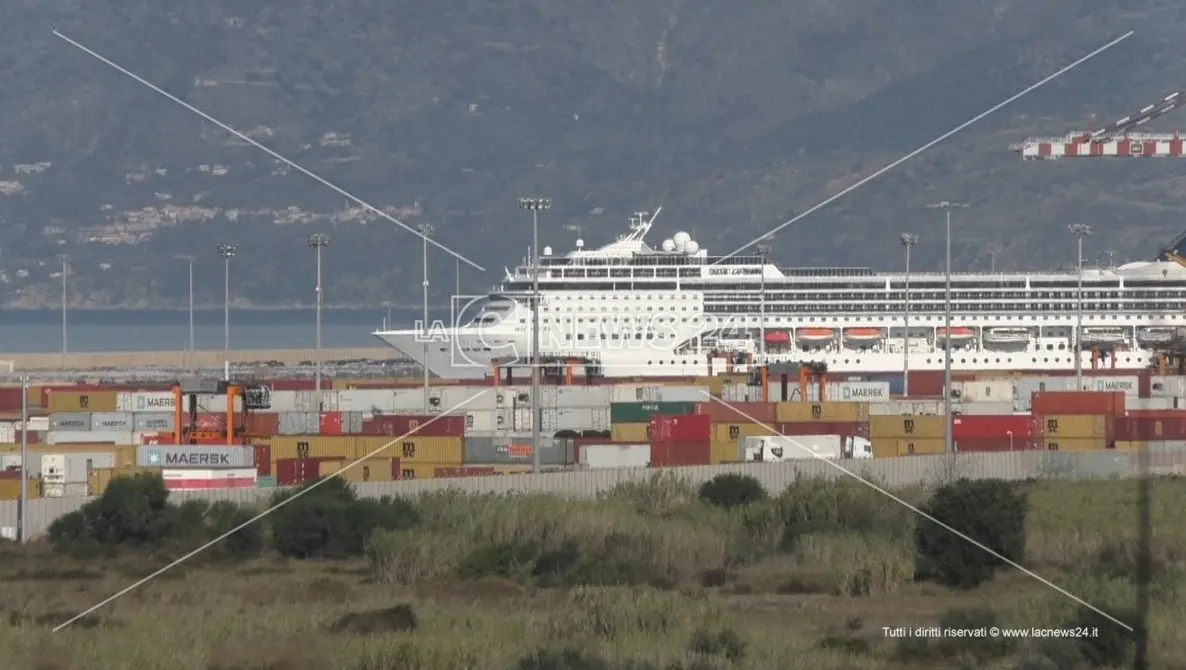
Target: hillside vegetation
(732,116)
(653,575)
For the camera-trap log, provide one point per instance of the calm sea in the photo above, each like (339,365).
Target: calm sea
(40,331)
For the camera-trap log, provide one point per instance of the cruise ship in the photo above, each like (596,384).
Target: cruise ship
(633,310)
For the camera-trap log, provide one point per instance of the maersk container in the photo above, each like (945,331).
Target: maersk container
(153,422)
(299,423)
(1147,404)
(1167,386)
(89,437)
(195,456)
(840,392)
(112,422)
(608,456)
(1129,385)
(72,421)
(146,401)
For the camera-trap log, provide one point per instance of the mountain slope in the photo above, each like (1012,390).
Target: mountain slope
(733,116)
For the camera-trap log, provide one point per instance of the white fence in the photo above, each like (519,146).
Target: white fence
(889,473)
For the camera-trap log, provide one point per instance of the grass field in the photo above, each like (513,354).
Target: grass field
(686,586)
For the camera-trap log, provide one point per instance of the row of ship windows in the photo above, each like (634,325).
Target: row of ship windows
(800,319)
(938,360)
(877,287)
(1066,307)
(898,297)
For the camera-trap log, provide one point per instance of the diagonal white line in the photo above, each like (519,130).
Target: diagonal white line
(923,514)
(928,145)
(259,516)
(309,173)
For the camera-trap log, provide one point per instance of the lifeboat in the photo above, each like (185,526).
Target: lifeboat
(815,334)
(1103,335)
(1008,335)
(863,334)
(1156,334)
(957,334)
(778,337)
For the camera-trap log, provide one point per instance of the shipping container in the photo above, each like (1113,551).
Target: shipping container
(894,447)
(997,390)
(208,422)
(924,383)
(195,456)
(100,478)
(574,418)
(907,427)
(89,436)
(352,423)
(11,398)
(841,428)
(369,470)
(299,423)
(295,471)
(680,394)
(984,409)
(678,454)
(86,401)
(330,424)
(418,425)
(576,397)
(630,432)
(747,412)
(10,489)
(1167,386)
(448,450)
(7,432)
(112,422)
(70,421)
(980,445)
(298,447)
(261,423)
(856,392)
(641,412)
(412,471)
(511,449)
(965,427)
(733,433)
(1075,444)
(300,384)
(1073,426)
(907,407)
(153,422)
(721,452)
(263,458)
(1078,402)
(605,456)
(368,401)
(146,401)
(206,480)
(1143,428)
(1147,404)
(73,467)
(798,412)
(1028,386)
(682,428)
(1129,385)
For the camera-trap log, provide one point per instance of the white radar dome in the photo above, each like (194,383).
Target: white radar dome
(580,244)
(680,245)
(691,247)
(681,237)
(668,245)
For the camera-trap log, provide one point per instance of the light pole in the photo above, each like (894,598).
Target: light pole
(227,252)
(22,532)
(425,230)
(535,206)
(947,206)
(764,252)
(317,241)
(908,240)
(1080,231)
(65,272)
(994,249)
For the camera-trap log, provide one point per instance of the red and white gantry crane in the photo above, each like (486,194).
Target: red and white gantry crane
(1115,139)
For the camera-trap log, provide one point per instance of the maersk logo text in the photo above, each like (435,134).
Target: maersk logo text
(189,459)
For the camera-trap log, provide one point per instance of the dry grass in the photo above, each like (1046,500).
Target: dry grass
(722,570)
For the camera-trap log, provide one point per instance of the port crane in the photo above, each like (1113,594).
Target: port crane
(1113,140)
(186,429)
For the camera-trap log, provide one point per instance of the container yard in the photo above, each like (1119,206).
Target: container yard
(209,434)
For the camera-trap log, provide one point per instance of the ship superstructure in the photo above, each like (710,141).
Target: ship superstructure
(676,310)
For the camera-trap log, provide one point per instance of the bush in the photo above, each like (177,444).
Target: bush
(732,490)
(990,512)
(330,521)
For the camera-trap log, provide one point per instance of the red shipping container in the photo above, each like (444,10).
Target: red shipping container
(445,425)
(682,428)
(738,412)
(261,423)
(976,427)
(14,473)
(34,438)
(676,454)
(263,459)
(297,471)
(11,398)
(977,445)
(1149,428)
(843,429)
(926,383)
(300,384)
(209,421)
(331,423)
(1101,403)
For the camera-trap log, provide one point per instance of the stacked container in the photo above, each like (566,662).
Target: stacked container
(894,436)
(679,440)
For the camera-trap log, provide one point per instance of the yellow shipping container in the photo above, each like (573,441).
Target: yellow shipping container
(370,470)
(10,489)
(124,455)
(33,396)
(716,385)
(1075,426)
(86,401)
(724,452)
(414,449)
(630,432)
(906,426)
(311,446)
(725,445)
(100,478)
(1132,446)
(837,412)
(893,447)
(1075,444)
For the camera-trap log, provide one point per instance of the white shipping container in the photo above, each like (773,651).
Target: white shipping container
(89,437)
(1129,385)
(13,462)
(70,468)
(1028,386)
(158,422)
(628,393)
(576,396)
(577,419)
(112,422)
(293,401)
(352,423)
(907,407)
(983,408)
(37,423)
(65,489)
(858,391)
(992,390)
(299,423)
(7,433)
(1168,386)
(72,421)
(161,401)
(798,447)
(474,398)
(1154,403)
(372,401)
(480,421)
(522,419)
(504,396)
(604,456)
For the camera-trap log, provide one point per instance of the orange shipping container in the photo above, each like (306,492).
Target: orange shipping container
(1103,403)
(261,423)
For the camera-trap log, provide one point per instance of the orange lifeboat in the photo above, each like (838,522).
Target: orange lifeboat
(815,334)
(863,334)
(778,337)
(956,333)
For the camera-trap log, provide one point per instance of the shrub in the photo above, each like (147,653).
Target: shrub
(246,542)
(990,512)
(725,643)
(330,521)
(732,490)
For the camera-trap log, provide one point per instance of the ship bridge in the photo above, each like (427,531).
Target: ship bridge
(1174,252)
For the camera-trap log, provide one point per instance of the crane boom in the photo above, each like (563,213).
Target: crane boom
(1114,139)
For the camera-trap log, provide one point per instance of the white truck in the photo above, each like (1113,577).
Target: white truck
(780,448)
